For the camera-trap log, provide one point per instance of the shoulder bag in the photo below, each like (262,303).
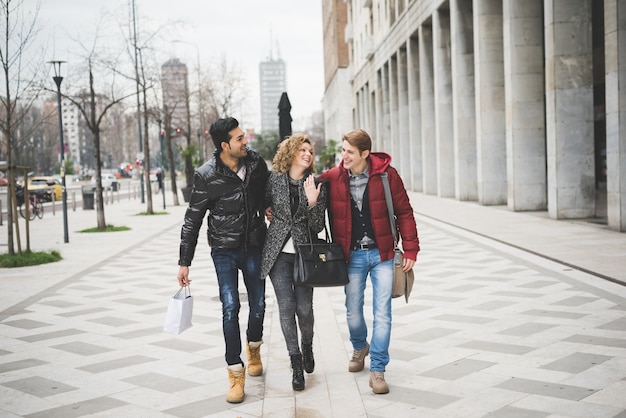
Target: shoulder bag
(402,281)
(320,263)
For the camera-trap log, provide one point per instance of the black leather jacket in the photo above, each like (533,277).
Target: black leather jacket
(236,212)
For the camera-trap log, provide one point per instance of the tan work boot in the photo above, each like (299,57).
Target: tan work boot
(377,383)
(255,367)
(237,377)
(358,359)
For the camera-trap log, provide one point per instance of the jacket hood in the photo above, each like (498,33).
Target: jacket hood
(377,162)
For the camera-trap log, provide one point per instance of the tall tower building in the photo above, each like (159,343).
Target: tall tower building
(175,86)
(71,131)
(272,83)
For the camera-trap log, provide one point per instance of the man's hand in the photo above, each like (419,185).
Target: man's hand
(183,276)
(268,213)
(407,264)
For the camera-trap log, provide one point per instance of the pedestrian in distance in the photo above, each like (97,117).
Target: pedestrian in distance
(296,206)
(231,188)
(360,224)
(159,176)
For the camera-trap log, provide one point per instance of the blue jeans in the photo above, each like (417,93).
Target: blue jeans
(362,263)
(292,300)
(227,263)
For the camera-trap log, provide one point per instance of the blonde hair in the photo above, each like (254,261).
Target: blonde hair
(287,150)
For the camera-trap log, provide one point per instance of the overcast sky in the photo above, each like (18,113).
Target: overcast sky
(238,29)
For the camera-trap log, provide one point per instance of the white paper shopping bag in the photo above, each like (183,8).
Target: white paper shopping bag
(179,311)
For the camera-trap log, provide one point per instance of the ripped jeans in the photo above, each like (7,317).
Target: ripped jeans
(227,264)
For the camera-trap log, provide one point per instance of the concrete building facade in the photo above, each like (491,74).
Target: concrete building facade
(503,102)
(272,84)
(175,86)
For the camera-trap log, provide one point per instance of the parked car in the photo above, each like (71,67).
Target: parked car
(45,186)
(109,181)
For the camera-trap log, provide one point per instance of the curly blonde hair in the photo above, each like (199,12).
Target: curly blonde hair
(287,150)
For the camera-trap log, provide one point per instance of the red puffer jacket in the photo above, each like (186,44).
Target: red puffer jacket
(341,215)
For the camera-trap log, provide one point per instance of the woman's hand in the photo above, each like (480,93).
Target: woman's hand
(311,191)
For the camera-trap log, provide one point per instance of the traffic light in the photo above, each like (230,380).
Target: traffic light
(178,130)
(206,132)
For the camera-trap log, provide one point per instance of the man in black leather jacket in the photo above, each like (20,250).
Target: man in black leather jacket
(231,187)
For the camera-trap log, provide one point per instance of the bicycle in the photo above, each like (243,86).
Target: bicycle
(36,207)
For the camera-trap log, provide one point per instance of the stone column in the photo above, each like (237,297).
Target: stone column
(615,67)
(429,144)
(524,83)
(490,117)
(392,141)
(443,103)
(378,109)
(569,109)
(463,102)
(370,108)
(358,115)
(366,110)
(403,117)
(415,125)
(383,142)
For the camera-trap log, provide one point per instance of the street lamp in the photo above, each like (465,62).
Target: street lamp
(139,139)
(56,65)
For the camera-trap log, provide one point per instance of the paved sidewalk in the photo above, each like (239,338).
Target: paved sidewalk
(584,245)
(492,330)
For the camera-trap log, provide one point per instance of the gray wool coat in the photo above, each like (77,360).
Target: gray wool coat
(282,224)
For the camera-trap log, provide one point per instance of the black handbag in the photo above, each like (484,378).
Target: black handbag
(320,263)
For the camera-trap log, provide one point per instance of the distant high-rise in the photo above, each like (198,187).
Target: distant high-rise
(272,82)
(175,92)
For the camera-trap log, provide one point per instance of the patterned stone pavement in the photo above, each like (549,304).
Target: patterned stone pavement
(490,331)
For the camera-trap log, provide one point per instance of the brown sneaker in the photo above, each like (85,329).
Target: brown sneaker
(358,359)
(377,383)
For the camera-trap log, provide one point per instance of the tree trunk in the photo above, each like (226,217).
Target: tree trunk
(170,159)
(146,152)
(96,139)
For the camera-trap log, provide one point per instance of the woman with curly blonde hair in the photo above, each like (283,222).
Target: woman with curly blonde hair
(287,149)
(297,203)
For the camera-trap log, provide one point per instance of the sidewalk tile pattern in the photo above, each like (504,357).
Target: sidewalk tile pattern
(489,331)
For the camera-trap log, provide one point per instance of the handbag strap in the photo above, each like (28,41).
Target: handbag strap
(392,221)
(327,235)
(187,290)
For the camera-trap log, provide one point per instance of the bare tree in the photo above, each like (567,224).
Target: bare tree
(21,87)
(94,107)
(167,128)
(145,75)
(225,90)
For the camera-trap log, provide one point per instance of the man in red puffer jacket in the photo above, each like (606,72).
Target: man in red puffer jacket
(360,224)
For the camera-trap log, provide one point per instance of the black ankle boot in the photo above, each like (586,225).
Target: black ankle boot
(307,357)
(298,376)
